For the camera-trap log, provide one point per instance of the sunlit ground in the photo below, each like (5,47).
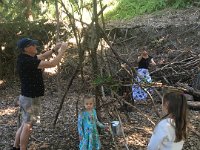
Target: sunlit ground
(7,111)
(5,114)
(1,82)
(51,71)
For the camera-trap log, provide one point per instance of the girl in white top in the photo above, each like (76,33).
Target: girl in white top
(170,132)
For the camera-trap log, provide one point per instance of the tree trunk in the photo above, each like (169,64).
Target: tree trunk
(94,45)
(1,66)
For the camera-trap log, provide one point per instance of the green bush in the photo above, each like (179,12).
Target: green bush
(11,32)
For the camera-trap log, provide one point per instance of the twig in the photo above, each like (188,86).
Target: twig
(158,93)
(63,98)
(139,111)
(106,104)
(38,140)
(113,138)
(189,89)
(193,130)
(154,106)
(122,129)
(166,80)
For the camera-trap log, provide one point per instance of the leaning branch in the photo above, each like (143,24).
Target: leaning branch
(63,98)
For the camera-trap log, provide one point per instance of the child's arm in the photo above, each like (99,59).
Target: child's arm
(157,138)
(139,58)
(80,125)
(99,124)
(152,62)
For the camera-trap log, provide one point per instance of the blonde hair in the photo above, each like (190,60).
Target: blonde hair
(89,98)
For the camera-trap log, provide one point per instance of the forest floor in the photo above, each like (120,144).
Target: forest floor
(137,127)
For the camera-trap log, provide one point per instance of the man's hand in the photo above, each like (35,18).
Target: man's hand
(63,47)
(57,47)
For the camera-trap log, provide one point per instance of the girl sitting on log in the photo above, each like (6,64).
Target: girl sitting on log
(144,60)
(170,132)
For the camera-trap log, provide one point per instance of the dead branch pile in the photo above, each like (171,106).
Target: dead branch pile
(182,68)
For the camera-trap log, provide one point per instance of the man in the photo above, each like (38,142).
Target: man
(29,66)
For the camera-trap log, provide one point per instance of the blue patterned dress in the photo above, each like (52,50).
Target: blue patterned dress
(137,91)
(87,128)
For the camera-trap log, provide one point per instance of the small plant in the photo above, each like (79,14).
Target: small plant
(108,82)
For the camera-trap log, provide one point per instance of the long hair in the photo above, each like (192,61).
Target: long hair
(176,104)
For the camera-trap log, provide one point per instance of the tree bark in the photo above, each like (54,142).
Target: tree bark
(94,45)
(1,66)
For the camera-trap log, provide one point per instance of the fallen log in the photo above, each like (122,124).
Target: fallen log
(190,90)
(180,69)
(194,105)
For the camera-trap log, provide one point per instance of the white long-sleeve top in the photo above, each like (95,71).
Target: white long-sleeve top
(164,136)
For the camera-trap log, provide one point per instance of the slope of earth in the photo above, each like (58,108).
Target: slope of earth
(170,36)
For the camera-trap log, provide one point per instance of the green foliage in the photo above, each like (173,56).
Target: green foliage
(14,10)
(107,81)
(180,3)
(126,9)
(11,32)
